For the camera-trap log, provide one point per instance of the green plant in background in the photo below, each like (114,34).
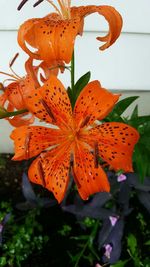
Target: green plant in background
(86,244)
(22,236)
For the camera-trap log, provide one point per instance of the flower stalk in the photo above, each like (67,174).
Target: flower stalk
(5,114)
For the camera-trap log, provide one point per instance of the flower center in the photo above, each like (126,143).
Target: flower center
(64,8)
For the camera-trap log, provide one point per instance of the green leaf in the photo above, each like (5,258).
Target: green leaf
(120,107)
(132,244)
(81,83)
(134,115)
(147,243)
(123,104)
(120,264)
(141,161)
(3,261)
(136,122)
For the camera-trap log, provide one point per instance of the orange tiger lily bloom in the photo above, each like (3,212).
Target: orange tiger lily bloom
(13,97)
(76,137)
(53,36)
(12,100)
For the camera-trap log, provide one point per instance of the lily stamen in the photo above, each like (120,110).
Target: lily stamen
(14,75)
(64,11)
(10,75)
(56,8)
(11,64)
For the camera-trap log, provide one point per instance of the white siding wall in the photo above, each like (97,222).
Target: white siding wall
(124,67)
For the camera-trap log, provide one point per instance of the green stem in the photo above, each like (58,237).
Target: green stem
(89,241)
(12,114)
(72,72)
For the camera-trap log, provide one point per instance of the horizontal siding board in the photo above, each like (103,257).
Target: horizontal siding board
(6,144)
(125,65)
(135,13)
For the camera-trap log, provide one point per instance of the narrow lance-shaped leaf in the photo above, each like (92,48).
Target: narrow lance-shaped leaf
(134,114)
(28,191)
(141,162)
(80,84)
(114,240)
(120,107)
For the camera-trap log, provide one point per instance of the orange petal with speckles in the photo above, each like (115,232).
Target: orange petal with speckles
(93,103)
(31,141)
(116,143)
(56,98)
(11,100)
(51,103)
(14,96)
(112,16)
(51,170)
(52,37)
(89,178)
(25,36)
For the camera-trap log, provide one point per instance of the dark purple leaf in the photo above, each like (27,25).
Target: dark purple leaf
(25,206)
(123,198)
(144,198)
(6,218)
(99,199)
(87,211)
(46,202)
(93,208)
(134,181)
(28,191)
(114,239)
(104,232)
(32,201)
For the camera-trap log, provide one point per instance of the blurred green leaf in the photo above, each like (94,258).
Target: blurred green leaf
(135,113)
(81,83)
(120,264)
(132,244)
(141,160)
(120,107)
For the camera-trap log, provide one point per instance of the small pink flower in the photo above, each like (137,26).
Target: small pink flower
(121,178)
(113,220)
(108,250)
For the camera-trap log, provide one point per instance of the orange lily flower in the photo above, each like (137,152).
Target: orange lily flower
(76,136)
(13,97)
(53,36)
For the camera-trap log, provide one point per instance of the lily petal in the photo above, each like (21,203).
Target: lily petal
(50,103)
(88,177)
(25,36)
(14,96)
(31,141)
(116,143)
(94,102)
(52,37)
(51,170)
(112,16)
